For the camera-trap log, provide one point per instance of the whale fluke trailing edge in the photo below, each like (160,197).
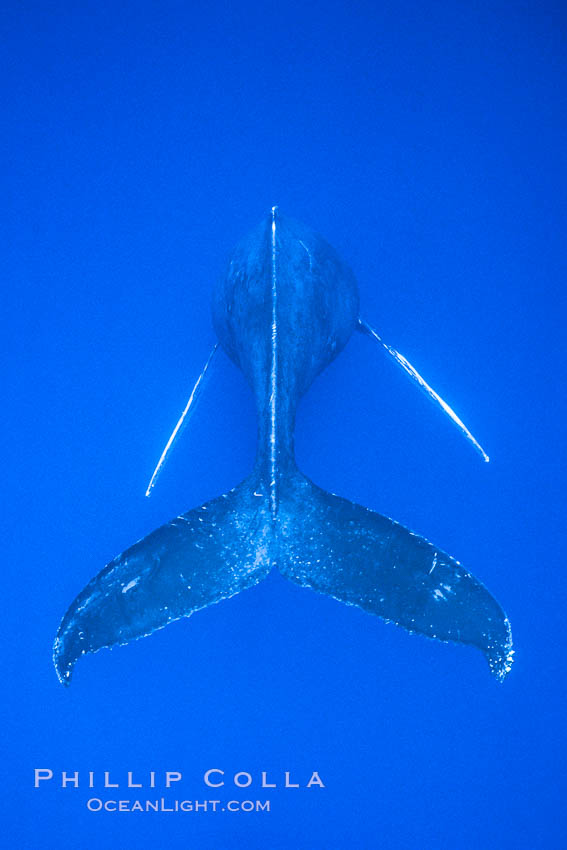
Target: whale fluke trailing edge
(285,309)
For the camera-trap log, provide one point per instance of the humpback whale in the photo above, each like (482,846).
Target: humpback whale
(285,308)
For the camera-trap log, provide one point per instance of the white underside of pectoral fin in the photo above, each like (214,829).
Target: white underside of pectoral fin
(183,420)
(412,372)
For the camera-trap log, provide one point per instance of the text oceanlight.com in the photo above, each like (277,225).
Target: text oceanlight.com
(95,804)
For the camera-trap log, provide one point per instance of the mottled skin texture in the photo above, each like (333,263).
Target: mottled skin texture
(316,311)
(285,309)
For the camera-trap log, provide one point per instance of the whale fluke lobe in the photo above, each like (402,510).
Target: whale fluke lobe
(362,558)
(201,557)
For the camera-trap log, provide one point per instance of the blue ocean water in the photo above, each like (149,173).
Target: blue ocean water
(427,144)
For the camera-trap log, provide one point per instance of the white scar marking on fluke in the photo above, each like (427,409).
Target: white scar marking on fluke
(308,252)
(130,585)
(273,374)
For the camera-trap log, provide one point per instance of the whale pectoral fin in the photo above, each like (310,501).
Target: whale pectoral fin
(412,372)
(201,557)
(362,558)
(183,420)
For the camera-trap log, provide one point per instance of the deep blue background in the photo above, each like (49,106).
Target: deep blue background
(426,142)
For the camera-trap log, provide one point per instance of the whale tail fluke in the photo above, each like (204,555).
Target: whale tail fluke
(359,557)
(201,557)
(316,539)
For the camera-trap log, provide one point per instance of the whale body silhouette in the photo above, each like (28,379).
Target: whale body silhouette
(285,309)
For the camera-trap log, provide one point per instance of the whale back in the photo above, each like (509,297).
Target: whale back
(285,291)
